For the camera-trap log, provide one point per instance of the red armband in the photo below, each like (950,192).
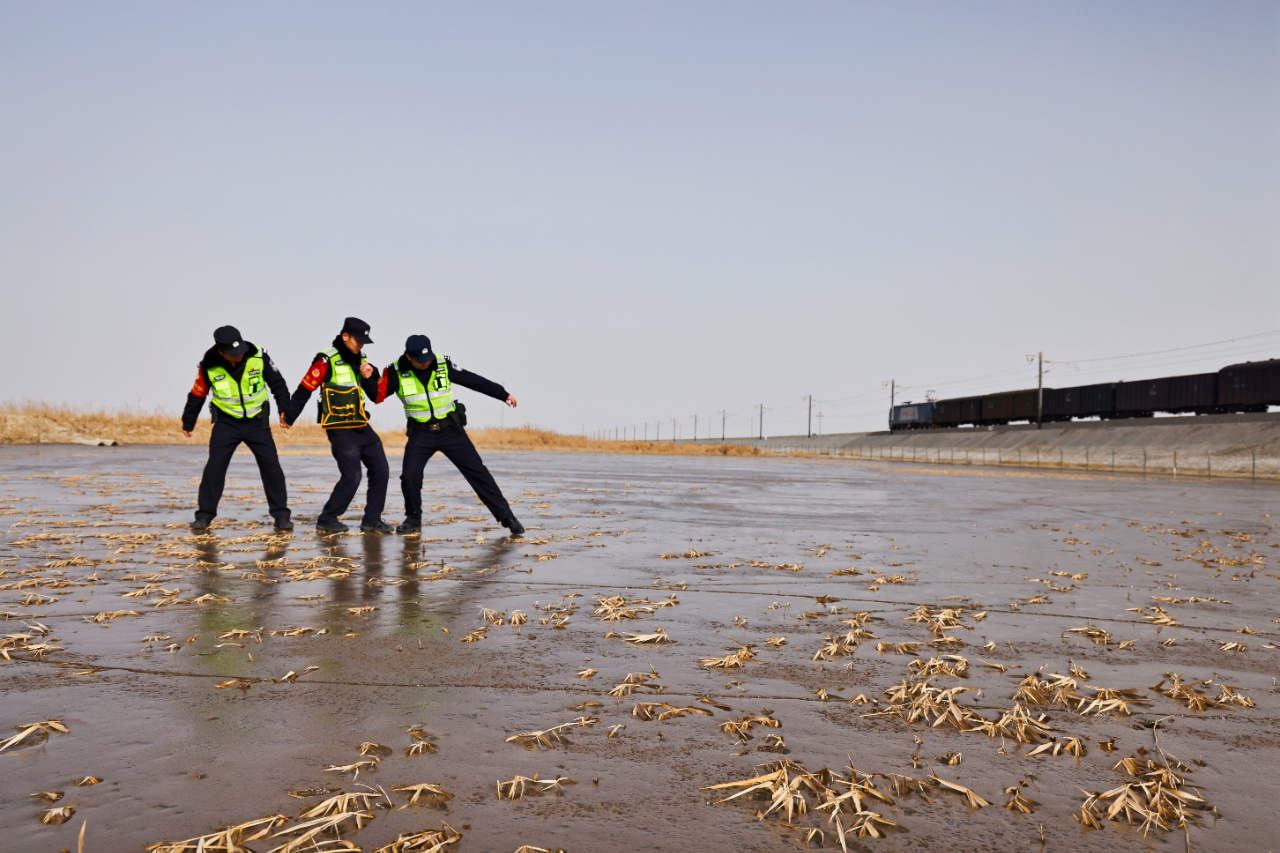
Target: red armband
(382,387)
(199,389)
(316,375)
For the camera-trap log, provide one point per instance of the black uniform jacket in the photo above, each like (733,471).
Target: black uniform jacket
(200,390)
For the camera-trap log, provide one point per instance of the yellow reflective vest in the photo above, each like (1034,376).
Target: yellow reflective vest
(435,401)
(243,399)
(341,404)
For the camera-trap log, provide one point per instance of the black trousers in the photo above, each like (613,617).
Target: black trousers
(228,434)
(352,448)
(458,449)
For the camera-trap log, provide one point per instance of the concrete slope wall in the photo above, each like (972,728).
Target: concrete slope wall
(1245,445)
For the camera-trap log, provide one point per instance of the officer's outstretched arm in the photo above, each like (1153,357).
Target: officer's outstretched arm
(311,380)
(195,402)
(385,386)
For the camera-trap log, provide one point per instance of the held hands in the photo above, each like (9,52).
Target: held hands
(187,433)
(283,422)
(366,370)
(510,401)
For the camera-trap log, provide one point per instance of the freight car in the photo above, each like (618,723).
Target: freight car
(1082,401)
(1197,393)
(1009,406)
(1248,387)
(957,411)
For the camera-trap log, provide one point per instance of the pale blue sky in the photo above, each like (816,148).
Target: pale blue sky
(631,212)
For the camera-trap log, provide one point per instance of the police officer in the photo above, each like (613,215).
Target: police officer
(424,383)
(342,373)
(237,374)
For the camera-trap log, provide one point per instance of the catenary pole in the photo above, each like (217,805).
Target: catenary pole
(1039,389)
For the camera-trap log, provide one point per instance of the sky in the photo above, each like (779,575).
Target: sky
(629,213)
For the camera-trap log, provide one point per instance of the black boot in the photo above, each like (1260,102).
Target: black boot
(284,524)
(201,524)
(513,524)
(409,526)
(331,527)
(376,527)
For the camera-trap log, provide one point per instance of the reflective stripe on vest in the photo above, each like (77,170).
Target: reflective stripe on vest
(341,404)
(243,399)
(434,401)
(340,373)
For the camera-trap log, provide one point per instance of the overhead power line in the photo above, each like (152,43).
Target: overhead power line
(1177,349)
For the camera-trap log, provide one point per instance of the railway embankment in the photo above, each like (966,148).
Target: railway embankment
(1240,445)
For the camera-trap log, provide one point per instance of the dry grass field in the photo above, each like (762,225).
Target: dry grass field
(43,423)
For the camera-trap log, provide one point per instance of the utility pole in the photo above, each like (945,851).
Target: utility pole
(819,423)
(674,431)
(646,430)
(762,421)
(1039,389)
(657,430)
(810,416)
(695,426)
(893,386)
(722,417)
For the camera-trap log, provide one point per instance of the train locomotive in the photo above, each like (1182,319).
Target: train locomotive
(1248,387)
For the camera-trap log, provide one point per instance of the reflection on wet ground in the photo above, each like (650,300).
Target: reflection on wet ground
(667,624)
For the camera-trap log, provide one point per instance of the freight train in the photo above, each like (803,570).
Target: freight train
(1248,387)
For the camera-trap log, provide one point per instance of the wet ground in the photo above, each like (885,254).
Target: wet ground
(213,680)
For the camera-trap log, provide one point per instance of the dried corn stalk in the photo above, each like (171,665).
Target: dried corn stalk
(952,665)
(973,799)
(636,681)
(658,636)
(424,791)
(57,815)
(38,731)
(1017,802)
(741,727)
(1099,636)
(547,738)
(427,841)
(342,803)
(938,619)
(308,834)
(520,786)
(225,840)
(663,711)
(792,791)
(736,659)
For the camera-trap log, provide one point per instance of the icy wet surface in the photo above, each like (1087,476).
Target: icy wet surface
(724,551)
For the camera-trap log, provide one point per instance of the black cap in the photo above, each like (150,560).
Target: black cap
(418,348)
(358,329)
(229,342)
